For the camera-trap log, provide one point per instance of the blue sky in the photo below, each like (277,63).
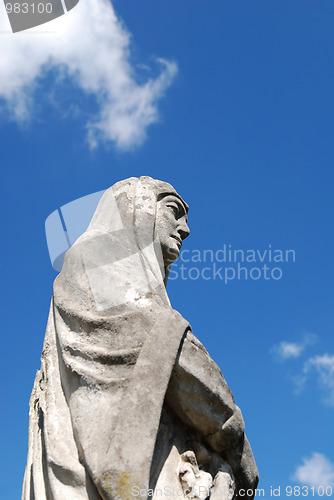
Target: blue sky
(232,103)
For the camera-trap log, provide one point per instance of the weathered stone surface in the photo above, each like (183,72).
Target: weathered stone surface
(128,403)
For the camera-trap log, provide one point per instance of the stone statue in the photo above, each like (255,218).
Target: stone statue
(128,403)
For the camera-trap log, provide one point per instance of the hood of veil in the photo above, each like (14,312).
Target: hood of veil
(118,260)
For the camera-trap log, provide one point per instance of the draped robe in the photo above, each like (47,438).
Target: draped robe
(125,388)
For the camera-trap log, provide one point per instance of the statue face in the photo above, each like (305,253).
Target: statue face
(171,226)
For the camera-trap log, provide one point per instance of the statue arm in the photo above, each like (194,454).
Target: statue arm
(199,396)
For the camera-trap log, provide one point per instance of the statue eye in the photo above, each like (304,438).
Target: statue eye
(174,207)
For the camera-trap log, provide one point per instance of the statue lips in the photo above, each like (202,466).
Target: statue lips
(178,240)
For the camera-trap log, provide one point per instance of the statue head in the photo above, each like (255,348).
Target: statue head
(171,226)
(135,234)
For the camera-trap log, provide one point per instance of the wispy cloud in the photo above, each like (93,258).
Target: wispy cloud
(323,367)
(91,46)
(287,350)
(318,368)
(315,471)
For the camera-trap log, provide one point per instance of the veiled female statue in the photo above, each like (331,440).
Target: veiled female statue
(128,403)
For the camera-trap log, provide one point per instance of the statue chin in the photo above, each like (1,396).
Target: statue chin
(170,255)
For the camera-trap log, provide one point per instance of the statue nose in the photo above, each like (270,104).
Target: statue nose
(184,230)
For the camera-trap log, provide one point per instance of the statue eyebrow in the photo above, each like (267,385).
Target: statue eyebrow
(178,200)
(179,203)
(182,207)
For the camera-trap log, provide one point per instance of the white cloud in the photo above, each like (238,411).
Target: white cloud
(286,350)
(92,47)
(315,471)
(323,366)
